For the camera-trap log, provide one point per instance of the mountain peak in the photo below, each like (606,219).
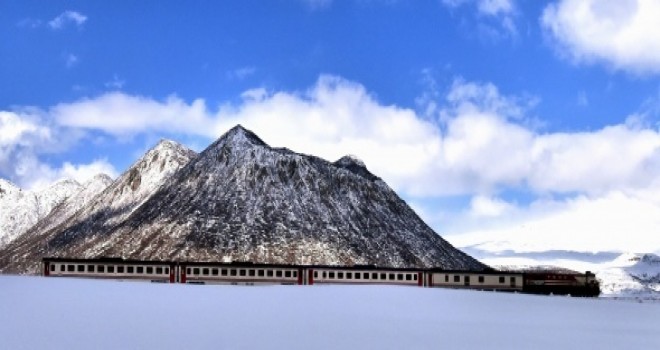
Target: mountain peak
(239,135)
(356,166)
(99,178)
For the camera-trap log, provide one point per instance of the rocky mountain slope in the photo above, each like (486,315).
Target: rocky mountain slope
(21,209)
(94,211)
(241,200)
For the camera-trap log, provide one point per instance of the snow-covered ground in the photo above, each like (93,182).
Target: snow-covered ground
(58,313)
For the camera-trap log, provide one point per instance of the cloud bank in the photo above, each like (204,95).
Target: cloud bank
(476,142)
(622,34)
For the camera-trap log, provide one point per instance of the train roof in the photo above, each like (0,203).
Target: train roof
(119,260)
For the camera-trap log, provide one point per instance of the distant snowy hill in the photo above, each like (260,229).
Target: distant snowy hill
(20,209)
(631,275)
(97,207)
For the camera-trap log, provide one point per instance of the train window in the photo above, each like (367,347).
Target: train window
(195,270)
(130,269)
(374,276)
(481,279)
(61,268)
(70,268)
(232,272)
(392,276)
(383,276)
(457,278)
(167,270)
(205,271)
(349,275)
(120,269)
(260,273)
(90,268)
(81,268)
(446,278)
(241,272)
(501,279)
(188,272)
(111,269)
(512,280)
(408,277)
(331,275)
(316,274)
(159,271)
(100,268)
(278,273)
(358,275)
(466,279)
(287,274)
(251,272)
(295,274)
(214,272)
(140,269)
(51,267)
(324,275)
(223,272)
(415,277)
(150,270)
(399,277)
(340,275)
(269,273)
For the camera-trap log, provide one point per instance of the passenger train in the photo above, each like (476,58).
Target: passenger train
(236,273)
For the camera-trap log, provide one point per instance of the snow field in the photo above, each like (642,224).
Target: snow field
(60,313)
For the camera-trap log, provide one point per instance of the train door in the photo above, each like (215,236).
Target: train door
(182,270)
(310,277)
(46,268)
(466,281)
(172,274)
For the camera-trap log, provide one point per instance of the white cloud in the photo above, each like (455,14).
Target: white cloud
(241,73)
(483,144)
(66,17)
(35,174)
(70,60)
(115,83)
(616,221)
(484,206)
(122,114)
(502,12)
(25,135)
(622,34)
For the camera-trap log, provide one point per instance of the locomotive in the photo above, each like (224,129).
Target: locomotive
(245,273)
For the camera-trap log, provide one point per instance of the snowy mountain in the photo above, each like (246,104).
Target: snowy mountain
(20,209)
(89,190)
(95,211)
(631,275)
(241,200)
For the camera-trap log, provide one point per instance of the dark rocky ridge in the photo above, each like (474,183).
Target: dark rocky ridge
(241,200)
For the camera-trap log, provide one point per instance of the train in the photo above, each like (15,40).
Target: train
(246,273)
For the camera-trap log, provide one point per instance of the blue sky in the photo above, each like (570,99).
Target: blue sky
(486,115)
